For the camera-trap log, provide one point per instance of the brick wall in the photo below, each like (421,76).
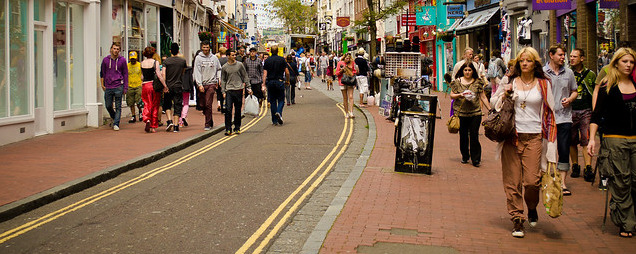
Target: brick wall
(586,32)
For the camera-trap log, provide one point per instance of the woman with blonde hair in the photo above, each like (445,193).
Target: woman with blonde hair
(346,66)
(534,144)
(615,114)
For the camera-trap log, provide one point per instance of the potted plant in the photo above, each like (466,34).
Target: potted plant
(445,36)
(205,36)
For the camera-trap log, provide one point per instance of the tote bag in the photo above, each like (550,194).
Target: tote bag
(551,191)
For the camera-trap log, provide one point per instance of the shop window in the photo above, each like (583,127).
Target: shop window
(136,25)
(118,24)
(151,26)
(38,10)
(18,60)
(68,56)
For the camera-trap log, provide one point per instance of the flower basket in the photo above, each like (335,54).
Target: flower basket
(205,36)
(446,37)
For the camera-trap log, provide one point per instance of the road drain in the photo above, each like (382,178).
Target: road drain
(404,248)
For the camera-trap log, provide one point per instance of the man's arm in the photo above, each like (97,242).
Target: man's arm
(573,94)
(263,87)
(196,73)
(286,75)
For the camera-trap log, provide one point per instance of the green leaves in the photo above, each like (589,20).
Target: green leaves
(295,15)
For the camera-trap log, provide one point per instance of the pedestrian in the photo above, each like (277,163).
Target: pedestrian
(362,75)
(323,64)
(478,59)
(188,85)
(233,82)
(207,74)
(173,99)
(133,96)
(330,75)
(347,65)
(305,68)
(468,92)
(496,71)
(240,56)
(219,94)
(275,75)
(254,67)
(564,89)
(290,89)
(468,57)
(523,155)
(615,113)
(150,69)
(581,114)
(114,81)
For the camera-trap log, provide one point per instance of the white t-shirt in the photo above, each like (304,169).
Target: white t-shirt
(528,118)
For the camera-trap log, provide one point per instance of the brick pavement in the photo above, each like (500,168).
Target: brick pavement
(38,164)
(460,206)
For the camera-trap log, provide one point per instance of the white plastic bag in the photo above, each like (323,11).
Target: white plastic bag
(251,105)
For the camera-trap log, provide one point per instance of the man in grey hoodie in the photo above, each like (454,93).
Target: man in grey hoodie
(207,73)
(233,80)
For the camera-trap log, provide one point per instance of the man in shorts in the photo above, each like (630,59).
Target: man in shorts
(581,114)
(133,96)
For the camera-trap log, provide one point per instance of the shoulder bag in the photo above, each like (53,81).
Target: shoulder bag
(156,83)
(500,125)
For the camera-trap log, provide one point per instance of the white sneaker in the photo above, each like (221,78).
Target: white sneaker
(115,127)
(351,115)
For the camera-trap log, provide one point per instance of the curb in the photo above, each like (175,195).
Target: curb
(32,202)
(318,235)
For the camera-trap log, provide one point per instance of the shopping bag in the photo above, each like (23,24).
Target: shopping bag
(371,100)
(251,105)
(551,191)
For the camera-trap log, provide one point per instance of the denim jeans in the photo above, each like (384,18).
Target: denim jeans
(276,97)
(233,100)
(114,95)
(563,146)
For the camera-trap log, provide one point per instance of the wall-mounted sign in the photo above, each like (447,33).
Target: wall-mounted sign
(343,21)
(551,5)
(455,11)
(409,19)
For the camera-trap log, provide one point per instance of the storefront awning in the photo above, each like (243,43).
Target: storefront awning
(454,25)
(231,28)
(477,19)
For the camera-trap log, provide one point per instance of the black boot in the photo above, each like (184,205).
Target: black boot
(588,174)
(576,171)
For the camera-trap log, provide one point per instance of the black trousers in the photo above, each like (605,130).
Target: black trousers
(469,137)
(233,100)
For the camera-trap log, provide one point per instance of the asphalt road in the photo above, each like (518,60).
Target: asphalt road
(207,202)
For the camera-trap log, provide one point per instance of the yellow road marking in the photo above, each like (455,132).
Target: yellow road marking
(261,230)
(84,202)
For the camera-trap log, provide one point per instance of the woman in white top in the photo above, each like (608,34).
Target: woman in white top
(534,144)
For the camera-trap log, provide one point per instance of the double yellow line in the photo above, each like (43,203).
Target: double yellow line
(145,176)
(332,158)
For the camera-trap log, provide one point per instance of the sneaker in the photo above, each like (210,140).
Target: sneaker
(517,230)
(279,118)
(147,128)
(115,127)
(533,217)
(228,133)
(207,128)
(602,183)
(351,115)
(588,174)
(133,120)
(170,126)
(185,123)
(576,171)
(237,132)
(176,129)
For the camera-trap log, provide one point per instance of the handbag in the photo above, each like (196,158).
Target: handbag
(551,191)
(453,124)
(348,80)
(156,83)
(500,125)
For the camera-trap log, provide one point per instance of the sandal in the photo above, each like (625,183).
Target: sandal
(624,233)
(566,192)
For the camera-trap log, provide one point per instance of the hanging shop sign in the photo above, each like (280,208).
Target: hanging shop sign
(426,16)
(551,4)
(221,37)
(343,21)
(608,4)
(323,26)
(455,11)
(408,19)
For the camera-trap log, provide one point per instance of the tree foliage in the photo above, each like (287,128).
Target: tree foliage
(374,14)
(295,16)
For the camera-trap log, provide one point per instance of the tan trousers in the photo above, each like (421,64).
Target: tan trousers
(520,166)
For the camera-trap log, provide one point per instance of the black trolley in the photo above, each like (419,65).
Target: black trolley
(414,133)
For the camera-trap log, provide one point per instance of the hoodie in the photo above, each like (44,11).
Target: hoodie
(207,69)
(115,72)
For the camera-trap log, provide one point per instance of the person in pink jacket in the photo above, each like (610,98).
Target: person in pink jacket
(346,65)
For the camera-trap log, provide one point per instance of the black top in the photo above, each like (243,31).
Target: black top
(613,114)
(363,66)
(293,68)
(174,71)
(149,73)
(275,67)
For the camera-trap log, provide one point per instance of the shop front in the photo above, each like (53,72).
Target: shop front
(480,28)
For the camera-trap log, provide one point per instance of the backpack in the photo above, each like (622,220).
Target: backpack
(493,69)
